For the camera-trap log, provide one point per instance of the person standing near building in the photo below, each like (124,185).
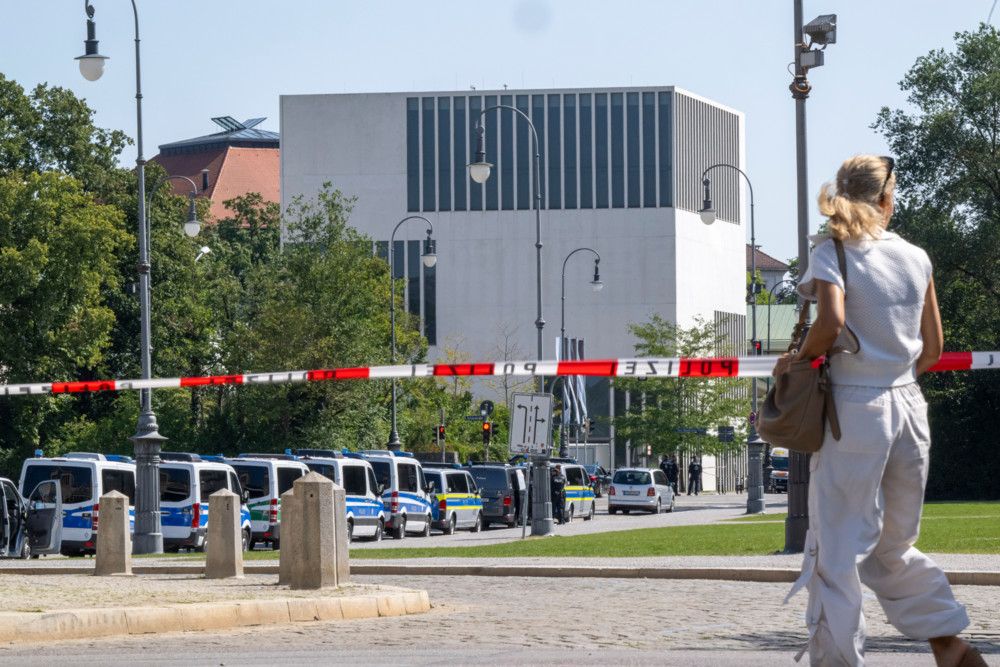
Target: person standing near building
(672,471)
(694,476)
(866,490)
(557,483)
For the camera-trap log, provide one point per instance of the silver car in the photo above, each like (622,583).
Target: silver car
(645,489)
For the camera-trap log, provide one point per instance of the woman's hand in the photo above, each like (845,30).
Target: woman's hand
(782,364)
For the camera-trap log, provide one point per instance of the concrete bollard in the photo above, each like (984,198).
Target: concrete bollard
(311,552)
(114,540)
(342,550)
(289,539)
(224,557)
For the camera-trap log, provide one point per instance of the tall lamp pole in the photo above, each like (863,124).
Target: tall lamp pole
(770,298)
(755,446)
(148,536)
(429,258)
(598,286)
(479,170)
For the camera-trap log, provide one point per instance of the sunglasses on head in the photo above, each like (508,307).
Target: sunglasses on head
(890,164)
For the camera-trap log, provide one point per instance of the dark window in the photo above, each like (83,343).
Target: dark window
(407,477)
(492,143)
(328,470)
(430,304)
(525,156)
(413,264)
(617,151)
(235,484)
(428,149)
(634,176)
(779,462)
(538,120)
(255,480)
(632,477)
(574,476)
(461,154)
(555,152)
(666,151)
(211,481)
(287,477)
(490,478)
(457,483)
(372,482)
(412,154)
(76,484)
(175,485)
(601,169)
(569,150)
(506,170)
(649,150)
(354,480)
(586,154)
(475,189)
(434,477)
(383,473)
(444,153)
(122,481)
(659,478)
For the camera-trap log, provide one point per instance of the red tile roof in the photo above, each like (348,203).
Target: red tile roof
(766,262)
(232,172)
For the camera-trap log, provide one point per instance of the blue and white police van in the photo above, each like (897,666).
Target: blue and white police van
(186,482)
(406,494)
(455,499)
(83,478)
(264,477)
(366,515)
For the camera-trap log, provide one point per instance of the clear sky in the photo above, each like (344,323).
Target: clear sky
(219,58)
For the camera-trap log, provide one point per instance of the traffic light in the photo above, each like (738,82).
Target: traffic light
(487,432)
(756,348)
(439,431)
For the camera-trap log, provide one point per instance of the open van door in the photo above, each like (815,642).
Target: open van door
(45,516)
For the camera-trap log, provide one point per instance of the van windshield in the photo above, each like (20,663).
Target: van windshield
(490,478)
(779,462)
(76,484)
(255,480)
(383,473)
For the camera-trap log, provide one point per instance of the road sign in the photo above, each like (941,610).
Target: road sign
(530,424)
(486,408)
(699,431)
(475,418)
(726,433)
(753,417)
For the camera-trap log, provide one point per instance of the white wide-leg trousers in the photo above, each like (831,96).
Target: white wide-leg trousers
(866,494)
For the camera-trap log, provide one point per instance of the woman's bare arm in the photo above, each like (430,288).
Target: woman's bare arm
(930,331)
(824,331)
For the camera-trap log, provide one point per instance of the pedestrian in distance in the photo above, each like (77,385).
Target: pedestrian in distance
(694,476)
(866,490)
(672,471)
(557,482)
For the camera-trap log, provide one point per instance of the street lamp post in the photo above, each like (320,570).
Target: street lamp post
(755,446)
(770,298)
(479,170)
(148,536)
(598,286)
(429,258)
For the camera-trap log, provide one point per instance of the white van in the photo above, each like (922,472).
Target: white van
(83,479)
(186,482)
(405,494)
(362,494)
(264,477)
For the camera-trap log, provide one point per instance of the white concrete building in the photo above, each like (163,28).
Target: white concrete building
(620,173)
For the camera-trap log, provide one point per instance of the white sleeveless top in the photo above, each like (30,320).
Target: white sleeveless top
(887,281)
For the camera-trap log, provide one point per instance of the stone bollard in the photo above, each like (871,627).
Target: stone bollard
(289,540)
(224,544)
(114,540)
(342,552)
(308,553)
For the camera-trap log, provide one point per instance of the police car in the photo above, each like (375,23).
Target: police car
(362,494)
(186,482)
(83,478)
(580,499)
(455,500)
(405,494)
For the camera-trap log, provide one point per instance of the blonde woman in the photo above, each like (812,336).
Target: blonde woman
(866,490)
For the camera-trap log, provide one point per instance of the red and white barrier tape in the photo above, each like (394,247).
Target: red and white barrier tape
(670,367)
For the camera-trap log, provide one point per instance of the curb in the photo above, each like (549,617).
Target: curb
(759,575)
(89,623)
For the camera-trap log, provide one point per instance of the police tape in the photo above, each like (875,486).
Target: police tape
(668,367)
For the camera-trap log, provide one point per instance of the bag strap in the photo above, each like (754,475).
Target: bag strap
(798,333)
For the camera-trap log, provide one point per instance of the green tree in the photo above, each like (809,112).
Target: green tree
(948,201)
(660,406)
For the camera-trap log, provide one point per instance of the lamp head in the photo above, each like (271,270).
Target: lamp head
(201,253)
(479,168)
(193,225)
(430,246)
(91,62)
(596,282)
(707,213)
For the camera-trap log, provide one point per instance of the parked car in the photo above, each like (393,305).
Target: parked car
(83,478)
(362,493)
(502,488)
(579,493)
(455,500)
(600,479)
(33,526)
(645,489)
(406,494)
(779,472)
(265,477)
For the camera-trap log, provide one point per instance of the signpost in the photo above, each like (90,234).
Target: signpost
(530,433)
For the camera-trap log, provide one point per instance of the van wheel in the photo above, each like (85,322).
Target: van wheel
(253,543)
(612,510)
(479,523)
(426,532)
(201,549)
(377,537)
(590,514)
(449,528)
(26,551)
(246,541)
(569,514)
(276,545)
(350,531)
(399,532)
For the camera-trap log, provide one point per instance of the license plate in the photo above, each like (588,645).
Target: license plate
(630,493)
